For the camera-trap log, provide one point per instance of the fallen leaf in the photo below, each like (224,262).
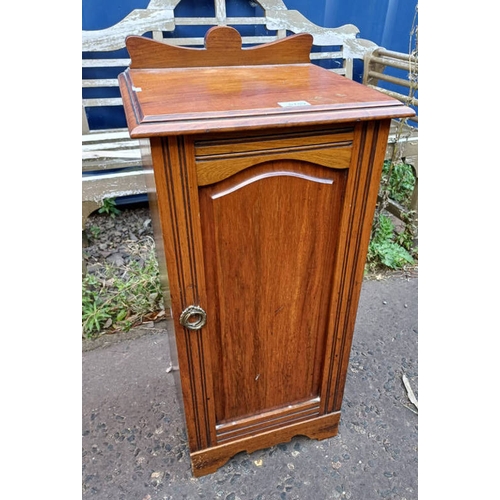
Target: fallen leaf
(411,395)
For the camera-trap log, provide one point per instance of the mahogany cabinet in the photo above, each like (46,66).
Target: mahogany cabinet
(265,171)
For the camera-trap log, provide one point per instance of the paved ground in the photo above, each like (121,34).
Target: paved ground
(134,444)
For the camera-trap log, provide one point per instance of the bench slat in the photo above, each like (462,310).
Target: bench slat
(124,153)
(97,135)
(105,82)
(405,65)
(213,21)
(103,101)
(395,55)
(111,144)
(103,164)
(105,63)
(392,79)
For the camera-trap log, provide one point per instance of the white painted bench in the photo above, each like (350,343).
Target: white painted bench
(111,161)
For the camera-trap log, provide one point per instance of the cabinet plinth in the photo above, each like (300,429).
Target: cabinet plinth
(266,171)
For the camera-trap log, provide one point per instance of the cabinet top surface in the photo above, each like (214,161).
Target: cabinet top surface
(243,89)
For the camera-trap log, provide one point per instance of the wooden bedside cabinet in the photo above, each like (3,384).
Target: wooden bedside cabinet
(266,171)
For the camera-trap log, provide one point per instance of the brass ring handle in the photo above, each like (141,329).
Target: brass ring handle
(193,317)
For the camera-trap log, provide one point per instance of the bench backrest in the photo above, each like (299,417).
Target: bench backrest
(104,55)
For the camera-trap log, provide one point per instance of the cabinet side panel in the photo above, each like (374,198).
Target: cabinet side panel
(147,146)
(147,163)
(269,237)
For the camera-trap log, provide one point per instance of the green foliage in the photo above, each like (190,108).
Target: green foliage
(384,249)
(121,298)
(388,248)
(109,207)
(399,180)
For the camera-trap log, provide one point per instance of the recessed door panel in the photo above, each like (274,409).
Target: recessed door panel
(269,238)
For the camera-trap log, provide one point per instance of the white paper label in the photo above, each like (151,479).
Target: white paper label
(293,103)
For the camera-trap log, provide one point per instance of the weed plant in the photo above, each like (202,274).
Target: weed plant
(109,207)
(399,179)
(384,248)
(389,248)
(122,296)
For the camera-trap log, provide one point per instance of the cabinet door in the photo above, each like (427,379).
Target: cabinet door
(270,213)
(258,233)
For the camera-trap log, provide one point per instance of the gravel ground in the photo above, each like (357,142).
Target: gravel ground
(117,240)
